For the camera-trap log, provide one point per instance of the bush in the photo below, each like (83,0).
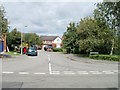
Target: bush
(57,50)
(105,57)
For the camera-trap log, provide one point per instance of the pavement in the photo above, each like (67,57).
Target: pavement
(5,55)
(57,70)
(75,57)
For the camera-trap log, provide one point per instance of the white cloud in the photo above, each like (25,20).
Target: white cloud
(52,0)
(46,17)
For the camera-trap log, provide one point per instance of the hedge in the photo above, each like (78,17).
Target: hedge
(106,57)
(57,50)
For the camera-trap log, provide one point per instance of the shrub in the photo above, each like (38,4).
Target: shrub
(105,57)
(57,49)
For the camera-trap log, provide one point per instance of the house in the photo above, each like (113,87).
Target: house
(55,41)
(1,44)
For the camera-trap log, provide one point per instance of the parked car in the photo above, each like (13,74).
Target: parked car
(49,48)
(45,48)
(39,47)
(32,51)
(34,46)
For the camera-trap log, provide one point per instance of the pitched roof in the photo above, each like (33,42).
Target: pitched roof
(48,38)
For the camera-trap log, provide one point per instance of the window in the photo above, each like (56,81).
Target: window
(58,40)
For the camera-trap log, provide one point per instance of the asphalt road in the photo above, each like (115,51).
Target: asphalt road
(56,70)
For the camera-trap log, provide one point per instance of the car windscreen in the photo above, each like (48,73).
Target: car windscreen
(31,48)
(49,46)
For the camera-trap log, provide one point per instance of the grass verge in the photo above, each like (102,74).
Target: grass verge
(12,53)
(105,57)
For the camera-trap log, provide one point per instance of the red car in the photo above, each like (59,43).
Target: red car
(24,50)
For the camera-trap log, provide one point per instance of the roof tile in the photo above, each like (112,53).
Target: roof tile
(48,38)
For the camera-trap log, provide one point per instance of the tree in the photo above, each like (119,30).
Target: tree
(69,39)
(88,35)
(109,14)
(92,37)
(13,39)
(32,39)
(3,21)
(3,26)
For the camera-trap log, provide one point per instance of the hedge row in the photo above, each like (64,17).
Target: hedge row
(57,49)
(106,57)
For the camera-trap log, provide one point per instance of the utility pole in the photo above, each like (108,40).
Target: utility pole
(21,41)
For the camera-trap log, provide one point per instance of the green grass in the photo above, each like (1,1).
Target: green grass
(100,57)
(106,57)
(12,53)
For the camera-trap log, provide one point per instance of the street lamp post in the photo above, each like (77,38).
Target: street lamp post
(21,42)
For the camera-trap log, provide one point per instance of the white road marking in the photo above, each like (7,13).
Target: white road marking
(95,72)
(108,72)
(49,65)
(83,72)
(50,68)
(55,73)
(8,72)
(116,71)
(49,58)
(69,72)
(38,73)
(23,72)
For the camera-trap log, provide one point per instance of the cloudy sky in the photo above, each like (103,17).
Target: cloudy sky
(46,18)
